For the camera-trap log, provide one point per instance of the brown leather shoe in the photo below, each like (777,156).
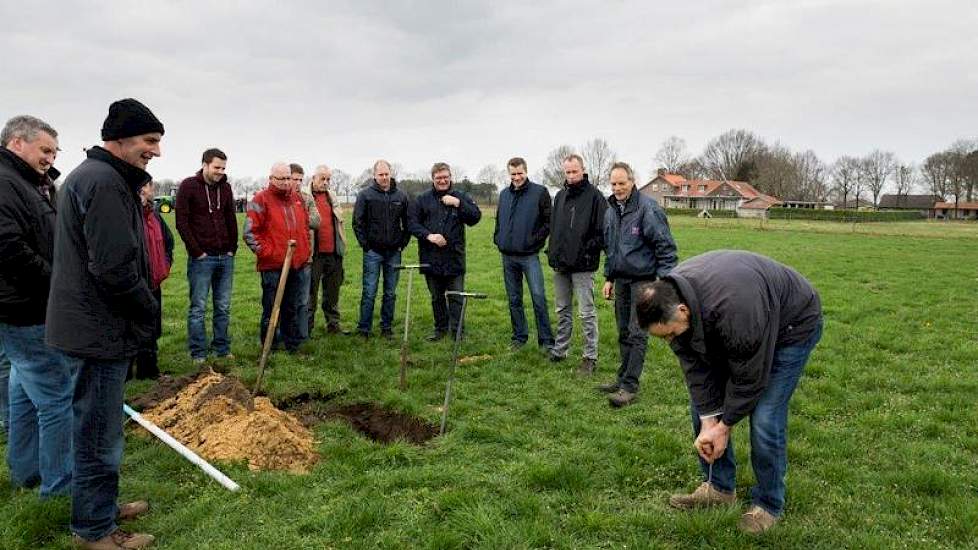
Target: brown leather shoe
(132,510)
(621,398)
(756,520)
(587,366)
(703,497)
(610,387)
(117,540)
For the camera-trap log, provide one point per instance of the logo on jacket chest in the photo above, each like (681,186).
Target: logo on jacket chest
(634,231)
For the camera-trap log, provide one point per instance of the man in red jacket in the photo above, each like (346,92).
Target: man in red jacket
(207,224)
(275,216)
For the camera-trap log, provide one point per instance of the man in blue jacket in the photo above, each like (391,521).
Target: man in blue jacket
(438,218)
(638,247)
(522,227)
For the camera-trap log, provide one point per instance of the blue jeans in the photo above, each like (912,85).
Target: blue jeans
(39,443)
(514,269)
(768,431)
(4,384)
(289,330)
(373,263)
(203,275)
(305,279)
(98,444)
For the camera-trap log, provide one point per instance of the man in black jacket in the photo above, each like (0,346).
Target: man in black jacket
(742,326)
(101,311)
(39,447)
(574,253)
(638,247)
(438,219)
(380,224)
(522,227)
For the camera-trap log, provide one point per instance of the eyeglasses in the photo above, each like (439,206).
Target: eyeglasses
(286,178)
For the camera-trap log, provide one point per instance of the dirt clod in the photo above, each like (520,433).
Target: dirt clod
(217,418)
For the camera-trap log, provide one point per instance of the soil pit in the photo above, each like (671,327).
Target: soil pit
(371,419)
(217,418)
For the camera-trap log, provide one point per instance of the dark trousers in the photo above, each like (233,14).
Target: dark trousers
(288,317)
(446,310)
(146,362)
(632,340)
(327,271)
(98,444)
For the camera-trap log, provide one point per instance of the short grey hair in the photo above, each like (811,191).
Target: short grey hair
(619,165)
(25,127)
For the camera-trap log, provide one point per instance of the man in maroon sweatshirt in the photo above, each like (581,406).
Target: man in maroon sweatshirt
(209,229)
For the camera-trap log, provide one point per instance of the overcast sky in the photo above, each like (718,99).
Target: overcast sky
(474,83)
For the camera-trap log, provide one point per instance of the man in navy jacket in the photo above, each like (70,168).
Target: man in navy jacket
(522,228)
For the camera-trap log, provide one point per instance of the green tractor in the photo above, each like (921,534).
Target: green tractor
(165,204)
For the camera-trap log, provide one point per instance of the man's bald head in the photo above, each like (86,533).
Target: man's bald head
(280,176)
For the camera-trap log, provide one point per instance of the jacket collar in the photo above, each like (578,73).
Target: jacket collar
(688,297)
(577,188)
(134,176)
(631,203)
(526,185)
(10,158)
(376,186)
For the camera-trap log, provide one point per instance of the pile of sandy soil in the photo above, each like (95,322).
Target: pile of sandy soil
(217,418)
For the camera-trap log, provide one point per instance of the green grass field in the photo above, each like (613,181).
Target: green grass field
(883,434)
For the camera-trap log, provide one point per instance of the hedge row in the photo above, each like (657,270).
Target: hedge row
(849,216)
(696,212)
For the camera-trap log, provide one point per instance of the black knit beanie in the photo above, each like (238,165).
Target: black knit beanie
(128,118)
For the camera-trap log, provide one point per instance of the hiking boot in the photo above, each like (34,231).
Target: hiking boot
(555,358)
(516,345)
(703,497)
(756,520)
(587,366)
(622,398)
(610,387)
(387,333)
(334,328)
(117,540)
(435,336)
(132,510)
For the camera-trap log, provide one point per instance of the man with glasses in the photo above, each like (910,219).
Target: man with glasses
(277,215)
(298,175)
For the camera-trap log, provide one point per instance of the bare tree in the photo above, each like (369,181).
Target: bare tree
(937,172)
(732,155)
(492,175)
(552,172)
(878,166)
(845,179)
(365,178)
(776,173)
(811,178)
(904,179)
(598,158)
(966,161)
(342,183)
(672,155)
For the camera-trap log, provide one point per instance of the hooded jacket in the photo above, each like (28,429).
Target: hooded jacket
(576,226)
(205,216)
(742,307)
(637,240)
(428,215)
(522,219)
(274,217)
(100,305)
(380,218)
(27,225)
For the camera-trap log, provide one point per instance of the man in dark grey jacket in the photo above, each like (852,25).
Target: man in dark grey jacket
(101,311)
(522,227)
(742,326)
(638,247)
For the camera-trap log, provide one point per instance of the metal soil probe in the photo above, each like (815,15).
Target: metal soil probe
(458,339)
(411,268)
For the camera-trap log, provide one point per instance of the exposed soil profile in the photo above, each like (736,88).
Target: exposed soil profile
(385,425)
(217,418)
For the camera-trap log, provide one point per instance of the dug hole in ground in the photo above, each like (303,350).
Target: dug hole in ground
(216,417)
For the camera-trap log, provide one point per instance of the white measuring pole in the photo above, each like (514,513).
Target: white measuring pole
(183,450)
